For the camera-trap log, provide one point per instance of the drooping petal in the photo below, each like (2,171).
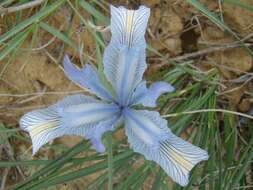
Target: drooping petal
(149,135)
(124,57)
(74,115)
(140,91)
(86,78)
(95,133)
(148,96)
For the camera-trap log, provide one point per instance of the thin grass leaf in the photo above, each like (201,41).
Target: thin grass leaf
(133,177)
(192,104)
(95,184)
(110,161)
(119,159)
(230,138)
(244,162)
(240,4)
(56,164)
(217,21)
(75,161)
(141,181)
(5,3)
(85,22)
(98,183)
(14,43)
(94,12)
(58,35)
(35,18)
(5,164)
(158,180)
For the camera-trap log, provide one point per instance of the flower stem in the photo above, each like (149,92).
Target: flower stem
(110,160)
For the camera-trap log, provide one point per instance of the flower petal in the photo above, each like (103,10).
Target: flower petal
(95,133)
(86,78)
(74,115)
(124,57)
(128,26)
(149,135)
(148,97)
(126,76)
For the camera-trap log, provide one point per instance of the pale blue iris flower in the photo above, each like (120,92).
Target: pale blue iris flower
(124,64)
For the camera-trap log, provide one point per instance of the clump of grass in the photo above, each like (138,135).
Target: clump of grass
(215,129)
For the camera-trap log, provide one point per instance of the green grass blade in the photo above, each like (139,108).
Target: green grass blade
(35,18)
(133,177)
(245,161)
(217,21)
(14,43)
(110,161)
(56,164)
(158,180)
(119,159)
(240,4)
(58,34)
(94,12)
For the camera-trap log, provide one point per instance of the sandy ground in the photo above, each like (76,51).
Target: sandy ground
(175,29)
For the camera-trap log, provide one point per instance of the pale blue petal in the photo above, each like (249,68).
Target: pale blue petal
(74,115)
(124,57)
(148,97)
(128,27)
(86,78)
(97,145)
(148,134)
(139,93)
(126,77)
(95,133)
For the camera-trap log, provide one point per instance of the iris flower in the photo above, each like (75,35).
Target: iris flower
(124,64)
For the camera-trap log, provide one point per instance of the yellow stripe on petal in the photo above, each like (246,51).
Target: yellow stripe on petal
(36,130)
(181,160)
(129,26)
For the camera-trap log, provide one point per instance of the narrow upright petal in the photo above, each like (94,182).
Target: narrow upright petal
(148,96)
(74,115)
(124,57)
(125,77)
(128,27)
(86,78)
(148,134)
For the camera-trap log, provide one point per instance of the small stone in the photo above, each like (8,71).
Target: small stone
(239,60)
(234,61)
(239,18)
(215,32)
(244,105)
(173,45)
(235,94)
